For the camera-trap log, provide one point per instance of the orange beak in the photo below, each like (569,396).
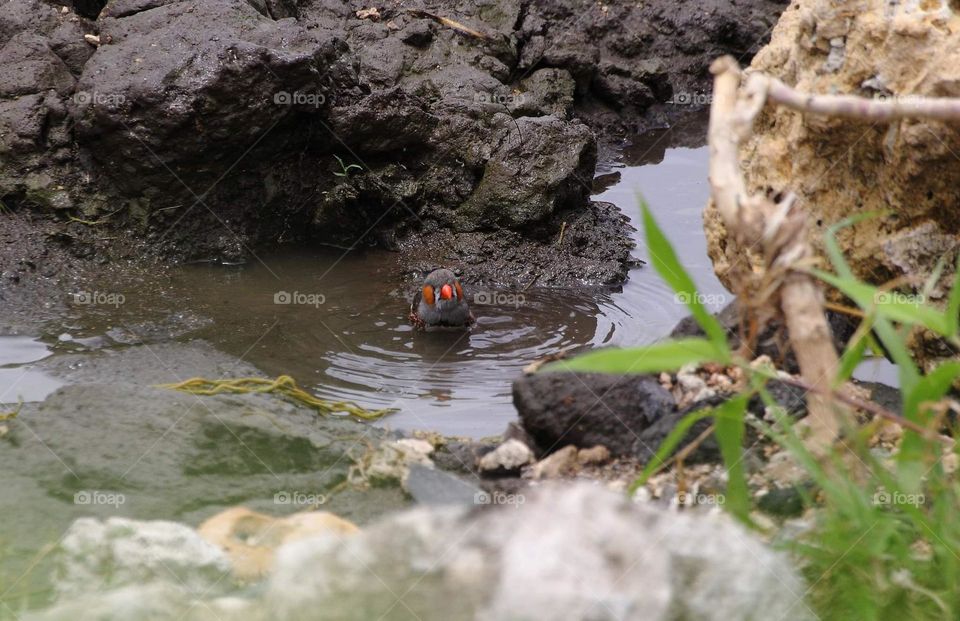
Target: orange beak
(446,292)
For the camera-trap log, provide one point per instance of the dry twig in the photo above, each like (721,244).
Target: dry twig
(777,228)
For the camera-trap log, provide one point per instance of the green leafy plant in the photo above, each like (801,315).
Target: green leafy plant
(345,168)
(867,554)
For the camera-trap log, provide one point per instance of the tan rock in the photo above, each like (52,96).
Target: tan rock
(250,538)
(557,464)
(839,168)
(594,455)
(950,463)
(784,469)
(890,433)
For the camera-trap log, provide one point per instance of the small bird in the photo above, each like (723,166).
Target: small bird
(440,302)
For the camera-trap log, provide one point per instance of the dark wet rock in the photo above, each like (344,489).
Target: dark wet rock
(546,91)
(171,327)
(198,98)
(160,363)
(627,58)
(430,486)
(461,456)
(419,33)
(784,502)
(587,409)
(595,249)
(542,166)
(885,396)
(793,400)
(774,341)
(631,415)
(202,131)
(648,442)
(790,398)
(35,67)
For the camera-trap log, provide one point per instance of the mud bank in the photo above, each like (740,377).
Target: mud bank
(184,130)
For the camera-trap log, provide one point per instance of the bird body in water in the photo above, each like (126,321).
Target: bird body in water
(440,302)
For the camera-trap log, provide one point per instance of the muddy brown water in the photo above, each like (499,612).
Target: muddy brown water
(337,323)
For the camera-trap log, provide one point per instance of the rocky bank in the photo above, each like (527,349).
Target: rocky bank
(906,172)
(212,129)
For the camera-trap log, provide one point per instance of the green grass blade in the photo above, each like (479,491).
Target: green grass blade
(894,344)
(665,261)
(853,354)
(953,303)
(669,444)
(729,423)
(888,304)
(931,387)
(666,356)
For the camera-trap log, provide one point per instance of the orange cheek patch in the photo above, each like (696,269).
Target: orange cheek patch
(428,295)
(459,290)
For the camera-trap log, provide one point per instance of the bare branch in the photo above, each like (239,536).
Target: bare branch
(852,106)
(778,230)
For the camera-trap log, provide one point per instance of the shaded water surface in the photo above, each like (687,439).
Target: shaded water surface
(338,323)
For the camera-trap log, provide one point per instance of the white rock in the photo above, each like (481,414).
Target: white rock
(509,456)
(392,460)
(566,552)
(96,555)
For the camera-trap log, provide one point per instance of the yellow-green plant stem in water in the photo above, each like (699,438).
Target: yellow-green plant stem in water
(283,385)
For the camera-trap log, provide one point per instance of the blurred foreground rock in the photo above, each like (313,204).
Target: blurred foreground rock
(562,552)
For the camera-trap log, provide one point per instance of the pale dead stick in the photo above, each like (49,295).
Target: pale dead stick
(779,226)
